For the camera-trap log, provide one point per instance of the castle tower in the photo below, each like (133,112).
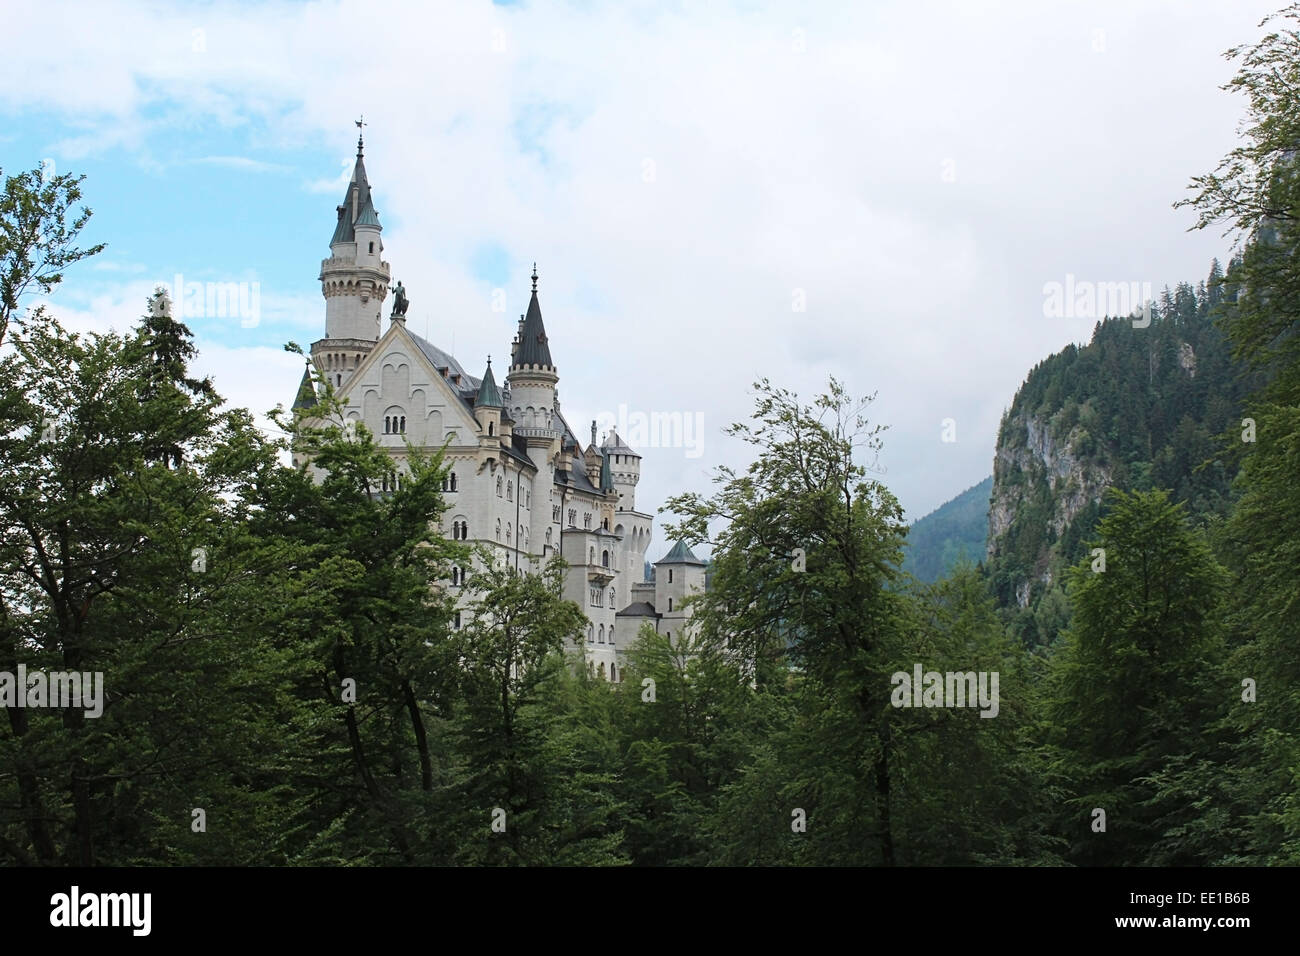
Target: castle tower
(532,380)
(634,528)
(354,281)
(678,575)
(488,406)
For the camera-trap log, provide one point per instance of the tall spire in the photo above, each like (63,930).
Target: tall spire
(532,348)
(356,201)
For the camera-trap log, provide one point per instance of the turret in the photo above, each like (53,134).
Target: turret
(354,280)
(488,407)
(532,379)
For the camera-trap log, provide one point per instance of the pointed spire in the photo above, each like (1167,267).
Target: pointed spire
(306,397)
(606,478)
(489,396)
(356,201)
(532,348)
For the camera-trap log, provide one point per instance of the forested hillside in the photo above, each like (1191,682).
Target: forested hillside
(1137,408)
(955,531)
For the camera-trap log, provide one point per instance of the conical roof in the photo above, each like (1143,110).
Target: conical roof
(680,554)
(532,348)
(489,396)
(306,397)
(343,231)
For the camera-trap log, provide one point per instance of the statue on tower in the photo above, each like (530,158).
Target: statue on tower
(400,301)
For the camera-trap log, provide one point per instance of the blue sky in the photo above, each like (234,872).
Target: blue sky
(683,174)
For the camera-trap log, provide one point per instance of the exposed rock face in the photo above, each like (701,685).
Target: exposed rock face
(1040,476)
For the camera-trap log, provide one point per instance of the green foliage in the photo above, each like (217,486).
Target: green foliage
(955,531)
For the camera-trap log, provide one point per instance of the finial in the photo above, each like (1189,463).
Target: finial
(489,361)
(360,123)
(534,276)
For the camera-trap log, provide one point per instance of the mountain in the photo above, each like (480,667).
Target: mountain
(957,530)
(1136,408)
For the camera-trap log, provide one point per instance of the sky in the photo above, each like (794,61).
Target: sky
(714,193)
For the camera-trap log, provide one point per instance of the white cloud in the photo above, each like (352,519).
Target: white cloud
(817,160)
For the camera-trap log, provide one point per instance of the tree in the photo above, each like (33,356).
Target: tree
(38,229)
(1137,687)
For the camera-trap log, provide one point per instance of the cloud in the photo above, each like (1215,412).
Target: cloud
(686,176)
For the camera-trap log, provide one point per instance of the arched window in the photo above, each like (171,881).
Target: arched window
(611,604)
(453,481)
(510,491)
(591,634)
(592,558)
(601,639)
(548,536)
(613,670)
(499,484)
(489,429)
(604,559)
(507,532)
(602,670)
(498,529)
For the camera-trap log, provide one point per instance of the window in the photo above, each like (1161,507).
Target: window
(612,599)
(528,498)
(555,513)
(548,537)
(402,429)
(612,666)
(605,524)
(456,623)
(499,483)
(670,604)
(489,429)
(591,634)
(372,248)
(604,559)
(601,638)
(453,481)
(507,532)
(498,529)
(670,575)
(586,521)
(591,559)
(573,516)
(510,491)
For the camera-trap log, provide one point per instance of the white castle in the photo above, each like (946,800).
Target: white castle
(520,482)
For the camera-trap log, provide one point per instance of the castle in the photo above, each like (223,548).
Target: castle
(520,483)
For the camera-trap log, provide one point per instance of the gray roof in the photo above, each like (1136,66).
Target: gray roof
(361,186)
(532,348)
(616,444)
(489,396)
(306,397)
(368,216)
(638,609)
(680,554)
